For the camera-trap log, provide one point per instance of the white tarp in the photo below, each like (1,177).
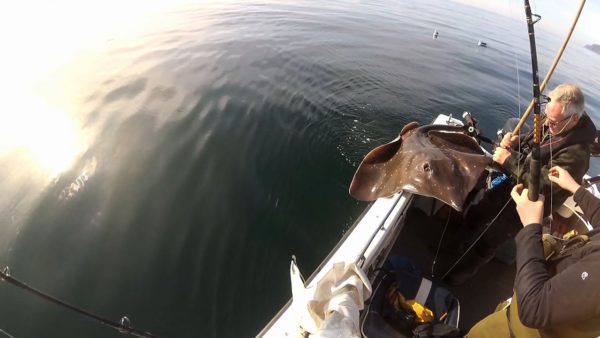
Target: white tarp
(331,308)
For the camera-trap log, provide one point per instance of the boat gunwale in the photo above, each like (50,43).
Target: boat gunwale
(366,263)
(318,268)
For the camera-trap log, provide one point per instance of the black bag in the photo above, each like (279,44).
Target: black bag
(382,319)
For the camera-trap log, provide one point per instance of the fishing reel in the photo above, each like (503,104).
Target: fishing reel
(471,125)
(472,129)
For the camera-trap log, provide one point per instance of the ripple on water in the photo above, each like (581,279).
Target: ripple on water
(225,136)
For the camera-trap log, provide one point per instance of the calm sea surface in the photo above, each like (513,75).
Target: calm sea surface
(175,171)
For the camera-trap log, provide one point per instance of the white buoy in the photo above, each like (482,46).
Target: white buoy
(435,34)
(481,44)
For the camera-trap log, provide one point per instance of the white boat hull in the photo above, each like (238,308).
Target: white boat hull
(367,243)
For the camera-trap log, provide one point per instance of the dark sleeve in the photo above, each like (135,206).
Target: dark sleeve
(545,300)
(514,164)
(590,205)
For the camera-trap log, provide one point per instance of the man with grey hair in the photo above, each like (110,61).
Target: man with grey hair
(567,135)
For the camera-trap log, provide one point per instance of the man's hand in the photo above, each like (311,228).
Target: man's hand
(500,155)
(562,177)
(508,140)
(529,212)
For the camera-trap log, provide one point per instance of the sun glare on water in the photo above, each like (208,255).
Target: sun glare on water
(44,76)
(52,63)
(42,137)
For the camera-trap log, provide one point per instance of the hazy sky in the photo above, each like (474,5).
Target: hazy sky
(557,15)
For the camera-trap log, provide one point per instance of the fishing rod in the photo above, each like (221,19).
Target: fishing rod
(123,327)
(552,67)
(534,177)
(534,165)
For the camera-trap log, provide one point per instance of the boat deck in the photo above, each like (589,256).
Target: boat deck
(479,296)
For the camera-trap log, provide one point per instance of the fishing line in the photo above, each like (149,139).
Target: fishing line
(437,251)
(518,94)
(477,239)
(123,327)
(550,145)
(587,224)
(550,137)
(519,110)
(6,333)
(534,7)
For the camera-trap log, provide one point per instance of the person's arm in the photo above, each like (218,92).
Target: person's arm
(515,165)
(544,300)
(513,159)
(590,205)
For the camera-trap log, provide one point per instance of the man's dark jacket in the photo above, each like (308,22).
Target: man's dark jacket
(570,150)
(561,298)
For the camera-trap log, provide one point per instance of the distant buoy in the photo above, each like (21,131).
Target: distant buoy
(435,34)
(481,44)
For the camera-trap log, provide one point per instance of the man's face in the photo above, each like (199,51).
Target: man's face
(556,120)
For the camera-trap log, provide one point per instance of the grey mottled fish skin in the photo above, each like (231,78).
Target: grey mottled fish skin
(434,160)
